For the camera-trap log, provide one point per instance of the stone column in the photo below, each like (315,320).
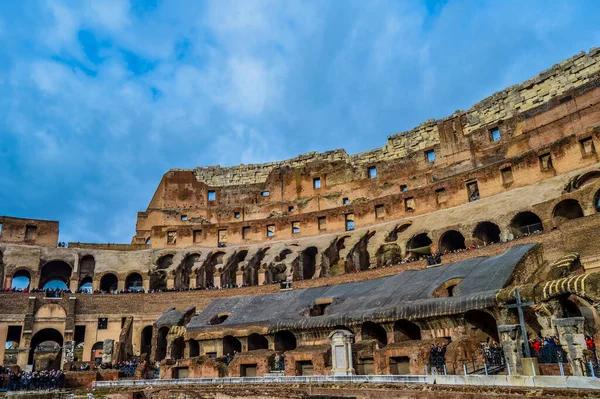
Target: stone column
(108,347)
(239,278)
(193,277)
(571,334)
(217,279)
(262,276)
(68,355)
(512,341)
(341,352)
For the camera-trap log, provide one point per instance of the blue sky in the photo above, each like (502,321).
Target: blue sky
(99,99)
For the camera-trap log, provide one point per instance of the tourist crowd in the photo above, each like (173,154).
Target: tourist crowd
(493,353)
(437,357)
(547,349)
(36,380)
(127,367)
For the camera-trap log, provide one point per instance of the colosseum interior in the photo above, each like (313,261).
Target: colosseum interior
(421,242)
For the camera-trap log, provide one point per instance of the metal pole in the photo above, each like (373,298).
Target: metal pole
(592,369)
(508,367)
(533,369)
(562,369)
(445,370)
(522,322)
(426,373)
(485,367)
(465,368)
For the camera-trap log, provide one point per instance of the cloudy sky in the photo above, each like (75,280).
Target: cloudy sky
(99,99)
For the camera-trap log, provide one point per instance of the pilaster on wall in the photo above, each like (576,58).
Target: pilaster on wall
(512,341)
(571,334)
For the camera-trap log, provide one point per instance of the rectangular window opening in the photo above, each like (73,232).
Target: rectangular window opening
(171,237)
(316,183)
(587,146)
(295,227)
(430,155)
(30,231)
(379,211)
(441,195)
(349,222)
(403,187)
(212,195)
(271,230)
(409,204)
(322,221)
(473,191)
(545,162)
(495,134)
(290,209)
(246,232)
(265,193)
(507,175)
(222,238)
(197,235)
(236,215)
(372,172)
(346,201)
(183,218)
(102,323)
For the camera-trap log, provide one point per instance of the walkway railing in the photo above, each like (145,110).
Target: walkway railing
(352,379)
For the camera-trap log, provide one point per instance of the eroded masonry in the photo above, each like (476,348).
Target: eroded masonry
(258,269)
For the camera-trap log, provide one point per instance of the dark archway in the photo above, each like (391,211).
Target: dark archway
(452,240)
(525,223)
(206,274)
(21,280)
(164,262)
(597,201)
(566,210)
(87,267)
(184,270)
(55,273)
(405,330)
(86,285)
(419,245)
(109,282)
(161,343)
(97,351)
(194,348)
(285,341)
(487,233)
(370,330)
(483,322)
(256,342)
(177,348)
(134,282)
(228,276)
(146,341)
(309,260)
(41,337)
(231,345)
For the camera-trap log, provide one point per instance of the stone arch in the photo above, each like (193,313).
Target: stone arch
(218,319)
(486,233)
(55,273)
(161,343)
(419,244)
(21,279)
(228,276)
(339,327)
(194,348)
(109,282)
(231,345)
(405,330)
(86,284)
(252,267)
(400,228)
(87,267)
(447,289)
(309,261)
(97,351)
(206,274)
(566,209)
(373,331)
(146,341)
(184,271)
(177,348)
(285,341)
(50,311)
(257,341)
(525,223)
(164,262)
(484,322)
(44,335)
(587,178)
(451,240)
(134,282)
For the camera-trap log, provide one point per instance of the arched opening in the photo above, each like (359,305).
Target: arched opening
(194,348)
(419,245)
(46,350)
(309,259)
(97,352)
(87,267)
(158,277)
(109,283)
(374,331)
(285,341)
(597,201)
(86,285)
(228,276)
(146,341)
(257,341)
(177,348)
(55,274)
(164,262)
(231,345)
(401,228)
(161,343)
(134,282)
(451,241)
(21,280)
(482,322)
(251,269)
(405,330)
(218,319)
(184,270)
(487,233)
(206,274)
(525,223)
(566,210)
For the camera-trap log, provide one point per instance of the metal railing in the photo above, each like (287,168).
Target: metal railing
(350,379)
